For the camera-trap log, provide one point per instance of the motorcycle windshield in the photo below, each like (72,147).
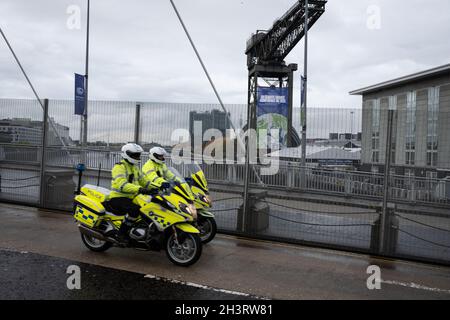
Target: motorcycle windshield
(193,168)
(177,174)
(197,174)
(180,182)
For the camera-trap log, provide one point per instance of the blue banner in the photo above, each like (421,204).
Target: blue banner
(273,100)
(272,114)
(80,94)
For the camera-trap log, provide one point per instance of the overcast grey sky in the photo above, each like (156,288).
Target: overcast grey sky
(139,51)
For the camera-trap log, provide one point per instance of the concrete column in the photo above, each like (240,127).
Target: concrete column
(421,128)
(401,127)
(444,128)
(366,140)
(384,107)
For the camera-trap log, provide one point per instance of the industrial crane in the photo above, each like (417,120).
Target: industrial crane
(271,47)
(266,51)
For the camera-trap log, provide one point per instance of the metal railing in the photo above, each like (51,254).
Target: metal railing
(319,180)
(332,207)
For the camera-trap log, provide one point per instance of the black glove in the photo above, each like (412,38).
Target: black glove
(165,185)
(146,191)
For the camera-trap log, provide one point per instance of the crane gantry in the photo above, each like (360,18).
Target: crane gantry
(266,51)
(272,46)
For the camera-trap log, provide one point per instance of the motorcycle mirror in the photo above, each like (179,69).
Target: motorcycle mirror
(189,181)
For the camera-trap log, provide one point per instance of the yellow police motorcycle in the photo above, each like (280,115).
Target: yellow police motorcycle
(166,222)
(199,195)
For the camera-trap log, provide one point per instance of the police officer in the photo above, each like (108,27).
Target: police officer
(127,182)
(156,171)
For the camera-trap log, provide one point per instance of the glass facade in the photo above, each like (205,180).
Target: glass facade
(393,106)
(432,130)
(410,134)
(376,131)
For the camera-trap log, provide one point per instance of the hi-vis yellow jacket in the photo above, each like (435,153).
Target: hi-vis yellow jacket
(156,173)
(127,179)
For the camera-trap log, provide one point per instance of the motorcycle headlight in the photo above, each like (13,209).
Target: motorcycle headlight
(189,209)
(193,211)
(205,199)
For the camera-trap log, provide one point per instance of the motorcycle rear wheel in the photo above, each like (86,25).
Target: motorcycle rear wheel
(186,253)
(94,244)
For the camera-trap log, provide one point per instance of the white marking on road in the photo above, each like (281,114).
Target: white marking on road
(415,286)
(201,286)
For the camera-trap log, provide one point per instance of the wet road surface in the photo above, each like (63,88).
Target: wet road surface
(258,268)
(31,276)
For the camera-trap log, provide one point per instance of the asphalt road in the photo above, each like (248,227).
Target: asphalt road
(255,268)
(30,276)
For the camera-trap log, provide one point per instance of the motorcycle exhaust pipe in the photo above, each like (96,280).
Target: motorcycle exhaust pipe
(94,234)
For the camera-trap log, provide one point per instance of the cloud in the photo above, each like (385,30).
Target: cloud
(140,53)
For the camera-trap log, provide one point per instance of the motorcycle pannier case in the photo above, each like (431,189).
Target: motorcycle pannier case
(95,192)
(88,211)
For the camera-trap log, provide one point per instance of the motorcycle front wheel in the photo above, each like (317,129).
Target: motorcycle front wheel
(185,253)
(208,229)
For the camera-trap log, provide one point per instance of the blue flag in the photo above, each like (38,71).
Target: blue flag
(80,94)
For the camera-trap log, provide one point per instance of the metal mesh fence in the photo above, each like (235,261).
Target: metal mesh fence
(20,150)
(337,201)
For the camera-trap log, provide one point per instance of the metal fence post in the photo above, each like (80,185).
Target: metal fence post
(251,110)
(387,169)
(290,183)
(392,224)
(43,153)
(137,123)
(413,191)
(347,184)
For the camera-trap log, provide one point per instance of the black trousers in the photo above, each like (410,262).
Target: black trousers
(125,206)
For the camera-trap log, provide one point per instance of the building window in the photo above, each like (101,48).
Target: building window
(393,106)
(410,135)
(409,173)
(431,174)
(376,131)
(432,132)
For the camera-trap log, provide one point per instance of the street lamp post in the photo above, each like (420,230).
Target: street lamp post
(305,95)
(352,113)
(85,115)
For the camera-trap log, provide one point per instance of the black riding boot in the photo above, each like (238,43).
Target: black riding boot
(124,229)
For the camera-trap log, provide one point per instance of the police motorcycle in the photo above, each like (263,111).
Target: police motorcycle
(198,194)
(165,223)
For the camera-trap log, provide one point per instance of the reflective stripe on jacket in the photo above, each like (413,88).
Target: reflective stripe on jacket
(156,173)
(126,181)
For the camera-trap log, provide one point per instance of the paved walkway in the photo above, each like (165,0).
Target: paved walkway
(20,281)
(258,268)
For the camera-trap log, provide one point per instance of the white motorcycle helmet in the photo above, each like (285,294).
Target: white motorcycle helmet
(158,154)
(132,152)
